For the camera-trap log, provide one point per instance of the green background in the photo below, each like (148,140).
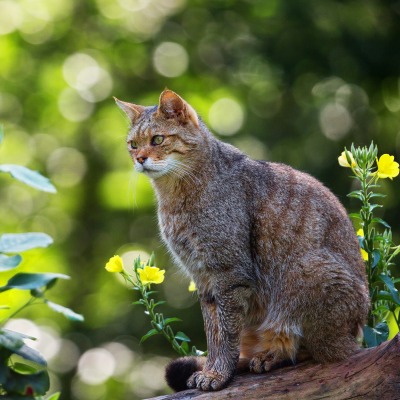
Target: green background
(287,81)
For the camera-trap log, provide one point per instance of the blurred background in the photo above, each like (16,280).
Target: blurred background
(287,81)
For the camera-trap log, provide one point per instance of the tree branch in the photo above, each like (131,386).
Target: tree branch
(369,374)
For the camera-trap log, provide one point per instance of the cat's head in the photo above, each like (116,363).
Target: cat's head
(162,138)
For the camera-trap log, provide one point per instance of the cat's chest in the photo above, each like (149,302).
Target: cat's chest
(183,233)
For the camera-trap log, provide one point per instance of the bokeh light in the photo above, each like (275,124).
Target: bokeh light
(280,81)
(96,365)
(335,121)
(73,107)
(170,59)
(10,16)
(226,116)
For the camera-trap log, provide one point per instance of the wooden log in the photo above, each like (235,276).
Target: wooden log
(369,374)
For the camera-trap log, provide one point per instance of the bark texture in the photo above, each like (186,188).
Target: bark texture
(368,374)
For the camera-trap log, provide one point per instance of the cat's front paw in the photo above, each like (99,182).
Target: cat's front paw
(208,380)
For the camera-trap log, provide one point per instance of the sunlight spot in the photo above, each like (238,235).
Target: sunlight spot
(226,116)
(149,377)
(96,366)
(124,356)
(73,107)
(67,166)
(67,357)
(83,73)
(10,16)
(170,59)
(335,121)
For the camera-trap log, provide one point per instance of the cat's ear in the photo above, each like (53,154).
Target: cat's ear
(133,111)
(172,106)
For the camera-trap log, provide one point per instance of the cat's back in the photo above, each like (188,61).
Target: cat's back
(294,213)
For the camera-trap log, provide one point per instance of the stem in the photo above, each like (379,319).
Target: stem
(12,315)
(168,335)
(366,216)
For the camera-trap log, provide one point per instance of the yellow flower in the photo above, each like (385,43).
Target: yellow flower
(364,255)
(114,264)
(150,275)
(192,287)
(360,232)
(342,159)
(387,167)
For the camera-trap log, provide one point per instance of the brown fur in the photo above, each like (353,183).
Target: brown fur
(271,250)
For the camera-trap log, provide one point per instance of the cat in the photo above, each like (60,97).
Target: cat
(272,252)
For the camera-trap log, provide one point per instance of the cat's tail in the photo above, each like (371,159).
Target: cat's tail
(180,370)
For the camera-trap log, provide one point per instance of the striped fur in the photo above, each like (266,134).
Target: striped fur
(271,250)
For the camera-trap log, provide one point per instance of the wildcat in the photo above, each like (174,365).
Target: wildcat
(271,250)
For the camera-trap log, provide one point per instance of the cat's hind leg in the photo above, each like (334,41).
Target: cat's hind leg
(268,349)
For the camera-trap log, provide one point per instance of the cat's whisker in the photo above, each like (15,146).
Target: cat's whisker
(183,171)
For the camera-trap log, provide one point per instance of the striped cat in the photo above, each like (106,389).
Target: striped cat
(272,251)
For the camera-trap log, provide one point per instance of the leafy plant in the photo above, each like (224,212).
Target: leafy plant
(23,372)
(144,275)
(375,238)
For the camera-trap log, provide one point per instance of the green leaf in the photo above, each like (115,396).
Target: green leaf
(381,221)
(26,281)
(376,257)
(1,134)
(151,261)
(356,194)
(149,334)
(9,262)
(384,295)
(54,396)
(159,303)
(375,336)
(139,302)
(170,320)
(182,336)
(394,293)
(185,347)
(17,383)
(16,242)
(354,215)
(29,177)
(68,313)
(13,341)
(24,368)
(373,206)
(377,195)
(31,354)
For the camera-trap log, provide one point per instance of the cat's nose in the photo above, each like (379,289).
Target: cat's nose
(141,160)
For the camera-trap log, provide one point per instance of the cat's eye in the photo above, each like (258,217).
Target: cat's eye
(158,139)
(133,145)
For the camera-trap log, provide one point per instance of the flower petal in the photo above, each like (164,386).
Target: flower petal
(387,167)
(114,264)
(149,275)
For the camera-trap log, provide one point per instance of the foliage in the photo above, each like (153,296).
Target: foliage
(376,244)
(144,275)
(23,372)
(308,78)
